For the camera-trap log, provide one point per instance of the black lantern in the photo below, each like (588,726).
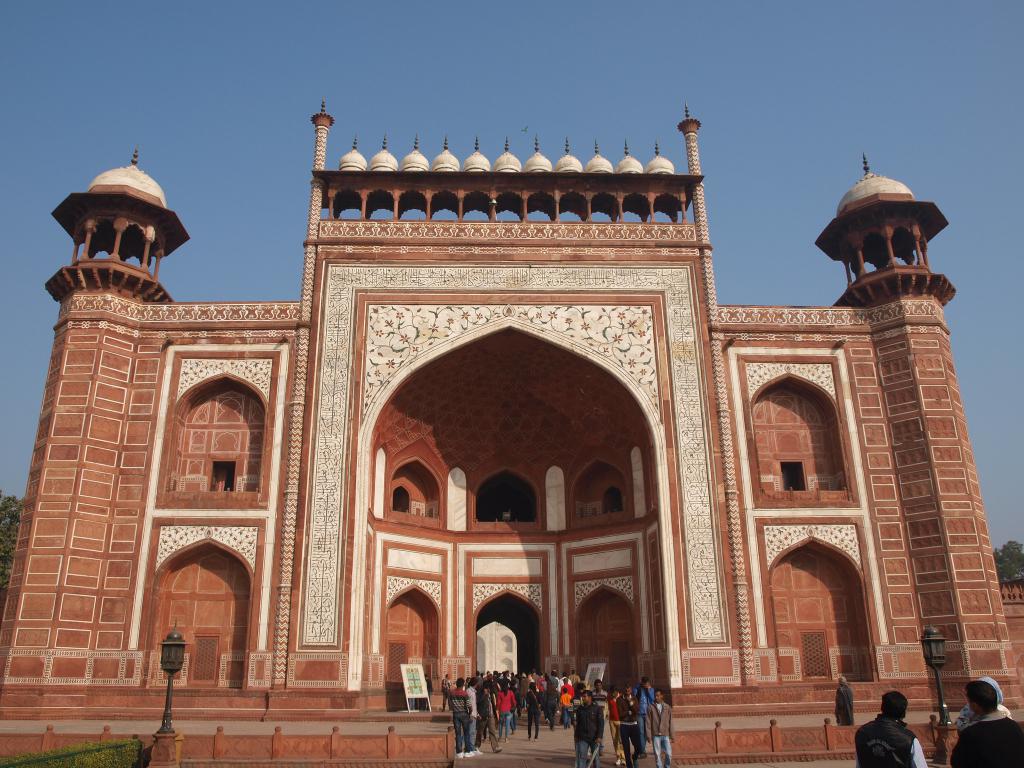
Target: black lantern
(933,646)
(172,659)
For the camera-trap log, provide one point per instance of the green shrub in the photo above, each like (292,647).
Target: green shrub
(106,754)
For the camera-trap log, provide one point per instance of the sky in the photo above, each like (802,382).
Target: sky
(218,98)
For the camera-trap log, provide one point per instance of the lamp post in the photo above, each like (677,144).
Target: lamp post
(933,645)
(172,659)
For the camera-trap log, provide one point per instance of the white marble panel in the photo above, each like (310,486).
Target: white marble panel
(602,561)
(414,561)
(507,566)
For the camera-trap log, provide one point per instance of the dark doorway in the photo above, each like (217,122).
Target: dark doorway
(518,616)
(506,498)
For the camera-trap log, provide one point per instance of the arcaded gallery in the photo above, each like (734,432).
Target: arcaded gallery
(506,425)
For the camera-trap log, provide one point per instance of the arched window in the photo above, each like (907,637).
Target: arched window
(414,491)
(797,444)
(476,206)
(604,207)
(876,253)
(540,206)
(412,205)
(667,208)
(903,246)
(635,208)
(400,500)
(444,206)
(219,443)
(380,204)
(572,206)
(509,207)
(506,498)
(598,491)
(348,204)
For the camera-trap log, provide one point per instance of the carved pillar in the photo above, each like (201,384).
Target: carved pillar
(323,122)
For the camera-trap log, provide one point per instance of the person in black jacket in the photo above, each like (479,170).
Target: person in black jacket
(886,742)
(993,740)
(588,732)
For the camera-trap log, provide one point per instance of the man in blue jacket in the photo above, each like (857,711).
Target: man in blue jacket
(645,696)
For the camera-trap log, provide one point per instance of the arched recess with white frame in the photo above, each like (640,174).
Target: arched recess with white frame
(515,400)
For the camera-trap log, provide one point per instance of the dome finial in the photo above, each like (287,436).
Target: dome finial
(355,141)
(323,106)
(657,149)
(384,144)
(445,142)
(536,143)
(864,160)
(597,150)
(686,109)
(416,142)
(625,147)
(135,155)
(567,145)
(476,143)
(506,143)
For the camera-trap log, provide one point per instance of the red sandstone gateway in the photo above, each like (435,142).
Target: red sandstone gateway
(506,425)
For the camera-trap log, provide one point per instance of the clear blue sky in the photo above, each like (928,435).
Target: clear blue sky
(218,95)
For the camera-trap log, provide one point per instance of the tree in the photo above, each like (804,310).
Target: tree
(10,515)
(1010,561)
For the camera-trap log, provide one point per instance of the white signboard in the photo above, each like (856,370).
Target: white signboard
(415,684)
(595,671)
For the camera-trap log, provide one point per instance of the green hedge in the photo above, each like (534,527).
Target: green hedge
(106,754)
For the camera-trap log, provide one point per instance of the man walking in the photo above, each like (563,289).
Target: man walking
(886,742)
(446,689)
(645,698)
(461,718)
(588,732)
(552,692)
(659,730)
(993,740)
(614,698)
(629,729)
(844,703)
(486,724)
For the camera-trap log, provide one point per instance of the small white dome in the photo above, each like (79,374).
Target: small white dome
(567,163)
(598,164)
(446,161)
(353,160)
(383,160)
(872,184)
(476,163)
(415,160)
(132,177)
(507,162)
(537,163)
(628,163)
(659,164)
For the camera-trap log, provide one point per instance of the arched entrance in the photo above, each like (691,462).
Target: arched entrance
(522,621)
(410,635)
(606,632)
(205,593)
(817,606)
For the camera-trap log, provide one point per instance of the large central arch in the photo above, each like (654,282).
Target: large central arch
(653,440)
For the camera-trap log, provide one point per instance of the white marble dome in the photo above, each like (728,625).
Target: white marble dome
(415,160)
(537,162)
(445,162)
(568,163)
(628,163)
(132,177)
(353,160)
(476,163)
(872,184)
(598,163)
(383,160)
(507,162)
(659,163)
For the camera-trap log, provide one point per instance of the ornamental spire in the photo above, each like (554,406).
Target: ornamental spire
(135,155)
(864,161)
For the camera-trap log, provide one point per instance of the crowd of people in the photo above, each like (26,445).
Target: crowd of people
(489,706)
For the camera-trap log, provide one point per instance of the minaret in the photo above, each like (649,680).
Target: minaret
(122,229)
(881,235)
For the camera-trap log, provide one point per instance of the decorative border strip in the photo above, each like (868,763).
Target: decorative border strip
(507,231)
(397,584)
(255,371)
(238,538)
(532,592)
(621,584)
(781,537)
(181,312)
(819,374)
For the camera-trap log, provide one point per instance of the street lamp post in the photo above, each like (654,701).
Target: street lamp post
(933,645)
(172,659)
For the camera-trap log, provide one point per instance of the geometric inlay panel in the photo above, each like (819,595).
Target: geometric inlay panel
(816,373)
(623,584)
(778,538)
(532,592)
(241,539)
(398,583)
(255,371)
(396,335)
